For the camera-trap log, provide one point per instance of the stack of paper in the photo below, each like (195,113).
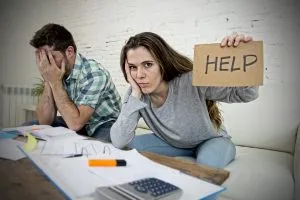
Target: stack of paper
(53,133)
(79,181)
(7,135)
(22,130)
(67,145)
(9,149)
(44,132)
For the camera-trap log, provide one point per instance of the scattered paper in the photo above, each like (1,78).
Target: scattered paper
(139,167)
(51,132)
(76,144)
(7,135)
(133,169)
(62,146)
(9,149)
(22,130)
(44,132)
(78,180)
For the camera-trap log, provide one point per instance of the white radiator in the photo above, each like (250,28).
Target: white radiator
(13,103)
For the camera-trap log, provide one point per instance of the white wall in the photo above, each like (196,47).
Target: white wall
(100,28)
(19,20)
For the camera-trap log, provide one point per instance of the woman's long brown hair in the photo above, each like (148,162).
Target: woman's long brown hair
(171,63)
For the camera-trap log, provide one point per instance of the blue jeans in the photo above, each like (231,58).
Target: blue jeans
(216,152)
(58,121)
(102,132)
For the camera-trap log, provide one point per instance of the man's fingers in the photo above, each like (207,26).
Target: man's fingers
(63,66)
(37,54)
(51,59)
(37,58)
(43,59)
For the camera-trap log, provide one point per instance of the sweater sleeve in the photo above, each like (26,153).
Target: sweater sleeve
(230,94)
(123,130)
(226,94)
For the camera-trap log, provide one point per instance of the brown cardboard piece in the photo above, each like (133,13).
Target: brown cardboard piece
(228,66)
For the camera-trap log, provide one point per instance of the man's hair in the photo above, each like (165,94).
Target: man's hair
(171,63)
(53,35)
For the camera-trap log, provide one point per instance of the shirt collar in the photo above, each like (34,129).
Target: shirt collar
(76,69)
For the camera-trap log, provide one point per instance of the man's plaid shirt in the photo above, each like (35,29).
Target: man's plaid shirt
(91,85)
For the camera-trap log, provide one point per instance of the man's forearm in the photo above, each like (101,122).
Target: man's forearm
(45,109)
(66,107)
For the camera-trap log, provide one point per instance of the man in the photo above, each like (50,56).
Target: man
(81,90)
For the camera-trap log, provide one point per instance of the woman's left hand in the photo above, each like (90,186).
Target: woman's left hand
(235,39)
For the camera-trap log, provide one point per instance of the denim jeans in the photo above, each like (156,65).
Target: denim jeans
(58,121)
(102,132)
(216,152)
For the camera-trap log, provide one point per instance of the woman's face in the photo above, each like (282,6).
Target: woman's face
(144,70)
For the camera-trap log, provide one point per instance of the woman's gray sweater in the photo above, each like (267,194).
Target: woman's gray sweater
(183,120)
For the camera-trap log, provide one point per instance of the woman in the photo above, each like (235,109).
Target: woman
(185,119)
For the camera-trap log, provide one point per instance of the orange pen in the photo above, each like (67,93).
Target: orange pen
(106,163)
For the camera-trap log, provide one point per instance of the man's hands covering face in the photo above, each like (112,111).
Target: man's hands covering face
(48,68)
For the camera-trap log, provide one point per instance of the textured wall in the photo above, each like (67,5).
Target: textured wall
(101,27)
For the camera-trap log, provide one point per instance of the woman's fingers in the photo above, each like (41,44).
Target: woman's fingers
(232,39)
(238,39)
(248,39)
(235,39)
(136,91)
(129,78)
(224,41)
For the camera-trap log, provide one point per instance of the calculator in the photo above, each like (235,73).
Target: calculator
(142,189)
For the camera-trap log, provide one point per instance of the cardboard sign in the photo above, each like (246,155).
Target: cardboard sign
(228,66)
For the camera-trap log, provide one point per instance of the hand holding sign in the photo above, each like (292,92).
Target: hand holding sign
(237,61)
(235,39)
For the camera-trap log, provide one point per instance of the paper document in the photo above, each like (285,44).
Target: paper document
(9,149)
(141,167)
(51,132)
(77,180)
(69,145)
(7,135)
(44,132)
(22,130)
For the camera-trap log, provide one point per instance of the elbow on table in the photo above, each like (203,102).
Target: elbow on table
(118,145)
(116,140)
(76,126)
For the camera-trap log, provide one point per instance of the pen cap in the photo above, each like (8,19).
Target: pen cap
(121,162)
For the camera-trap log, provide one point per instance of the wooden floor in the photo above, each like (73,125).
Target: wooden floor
(22,180)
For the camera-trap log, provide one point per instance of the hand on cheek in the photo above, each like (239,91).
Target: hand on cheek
(136,91)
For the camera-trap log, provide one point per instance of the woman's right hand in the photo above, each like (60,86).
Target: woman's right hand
(136,90)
